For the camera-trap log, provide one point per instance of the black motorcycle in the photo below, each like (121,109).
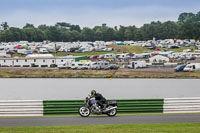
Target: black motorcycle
(91,106)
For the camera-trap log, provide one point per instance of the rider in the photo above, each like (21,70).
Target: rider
(101,100)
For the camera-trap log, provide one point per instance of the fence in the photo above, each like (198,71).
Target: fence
(61,107)
(21,108)
(67,107)
(181,105)
(58,107)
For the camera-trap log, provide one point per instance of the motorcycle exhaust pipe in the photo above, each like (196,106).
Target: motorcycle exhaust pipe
(110,109)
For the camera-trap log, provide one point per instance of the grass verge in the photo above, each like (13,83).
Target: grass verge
(65,73)
(127,128)
(92,53)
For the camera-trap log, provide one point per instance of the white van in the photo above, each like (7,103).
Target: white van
(137,64)
(193,67)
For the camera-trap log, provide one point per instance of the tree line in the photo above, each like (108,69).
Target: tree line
(187,27)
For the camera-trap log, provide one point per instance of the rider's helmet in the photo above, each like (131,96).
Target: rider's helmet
(93,93)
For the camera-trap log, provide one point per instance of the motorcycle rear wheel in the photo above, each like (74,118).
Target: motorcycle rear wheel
(112,113)
(84,111)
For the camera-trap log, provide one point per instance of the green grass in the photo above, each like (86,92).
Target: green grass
(128,128)
(127,49)
(55,73)
(18,55)
(136,49)
(92,53)
(54,54)
(130,49)
(59,54)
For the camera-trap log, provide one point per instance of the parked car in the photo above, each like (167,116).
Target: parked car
(73,49)
(180,68)
(174,46)
(114,66)
(181,58)
(190,58)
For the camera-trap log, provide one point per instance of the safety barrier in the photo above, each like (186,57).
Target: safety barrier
(140,106)
(21,108)
(67,107)
(181,105)
(63,107)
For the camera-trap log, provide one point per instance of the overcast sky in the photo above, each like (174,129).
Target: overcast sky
(89,13)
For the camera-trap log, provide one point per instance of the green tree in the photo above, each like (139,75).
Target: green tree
(74,35)
(183,17)
(130,33)
(16,34)
(169,30)
(149,31)
(41,36)
(6,36)
(29,34)
(63,24)
(120,35)
(4,26)
(98,33)
(190,27)
(87,34)
(29,25)
(75,27)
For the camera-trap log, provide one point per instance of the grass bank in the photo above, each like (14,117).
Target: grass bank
(127,49)
(131,128)
(64,73)
(130,49)
(93,53)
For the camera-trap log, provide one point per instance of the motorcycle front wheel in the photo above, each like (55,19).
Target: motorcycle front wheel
(84,111)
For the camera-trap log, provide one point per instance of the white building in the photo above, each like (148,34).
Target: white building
(35,61)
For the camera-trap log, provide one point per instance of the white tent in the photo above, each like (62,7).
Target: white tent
(158,58)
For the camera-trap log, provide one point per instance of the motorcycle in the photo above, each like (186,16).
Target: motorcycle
(91,106)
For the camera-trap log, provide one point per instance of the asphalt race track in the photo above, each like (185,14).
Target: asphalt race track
(98,120)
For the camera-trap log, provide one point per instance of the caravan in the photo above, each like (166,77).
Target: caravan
(78,65)
(109,56)
(106,65)
(137,64)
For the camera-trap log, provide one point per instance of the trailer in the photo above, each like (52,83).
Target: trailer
(137,64)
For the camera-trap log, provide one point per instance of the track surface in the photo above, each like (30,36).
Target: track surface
(98,120)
